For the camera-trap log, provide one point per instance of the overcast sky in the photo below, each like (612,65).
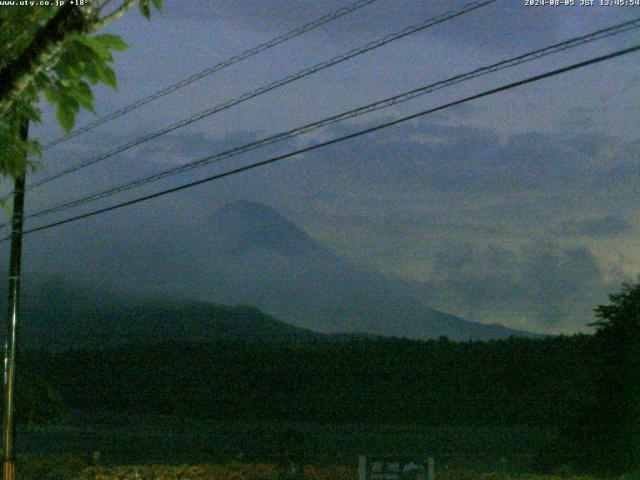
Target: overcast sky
(520,208)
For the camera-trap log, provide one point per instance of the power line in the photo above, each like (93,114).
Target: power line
(343,138)
(271,86)
(318,22)
(264,89)
(381,104)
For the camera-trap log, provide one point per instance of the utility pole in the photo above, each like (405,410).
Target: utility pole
(9,422)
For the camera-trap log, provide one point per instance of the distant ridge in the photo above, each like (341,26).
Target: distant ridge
(286,287)
(68,319)
(270,262)
(124,323)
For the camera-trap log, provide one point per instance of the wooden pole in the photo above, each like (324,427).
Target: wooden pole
(9,422)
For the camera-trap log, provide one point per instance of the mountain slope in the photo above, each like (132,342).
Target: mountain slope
(258,257)
(55,315)
(243,254)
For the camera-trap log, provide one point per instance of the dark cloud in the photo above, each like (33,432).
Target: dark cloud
(499,26)
(189,146)
(542,283)
(590,144)
(602,226)
(450,158)
(505,26)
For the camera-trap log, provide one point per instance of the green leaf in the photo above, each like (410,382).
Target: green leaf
(88,49)
(69,71)
(41,80)
(91,73)
(83,95)
(70,64)
(34,115)
(66,112)
(86,52)
(84,91)
(158,4)
(145,8)
(98,69)
(35,148)
(109,77)
(52,94)
(111,42)
(66,118)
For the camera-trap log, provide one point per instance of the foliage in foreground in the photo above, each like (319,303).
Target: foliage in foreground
(47,49)
(69,467)
(236,471)
(602,433)
(63,467)
(239,471)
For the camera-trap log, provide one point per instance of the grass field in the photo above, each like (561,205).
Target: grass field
(242,471)
(172,441)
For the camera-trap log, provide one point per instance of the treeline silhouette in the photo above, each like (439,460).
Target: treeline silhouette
(508,382)
(585,387)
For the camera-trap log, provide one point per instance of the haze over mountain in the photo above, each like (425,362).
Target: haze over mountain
(256,256)
(281,270)
(501,205)
(244,253)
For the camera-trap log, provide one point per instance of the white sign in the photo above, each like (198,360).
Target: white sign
(390,468)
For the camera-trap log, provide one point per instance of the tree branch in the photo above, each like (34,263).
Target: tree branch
(47,42)
(46,46)
(113,16)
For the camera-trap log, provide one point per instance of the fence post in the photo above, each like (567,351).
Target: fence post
(362,467)
(431,469)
